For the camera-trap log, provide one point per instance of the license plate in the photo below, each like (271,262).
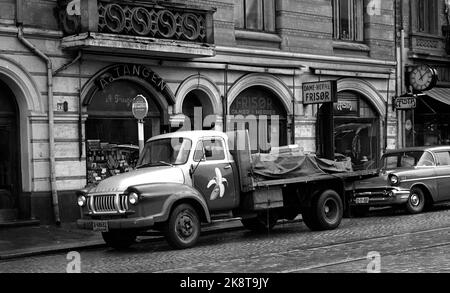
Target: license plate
(362,200)
(100,226)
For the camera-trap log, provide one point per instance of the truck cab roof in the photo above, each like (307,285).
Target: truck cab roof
(194,135)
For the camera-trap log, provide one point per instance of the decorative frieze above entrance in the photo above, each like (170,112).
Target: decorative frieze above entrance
(155,21)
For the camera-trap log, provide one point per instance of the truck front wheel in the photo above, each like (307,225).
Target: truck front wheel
(183,228)
(119,239)
(325,212)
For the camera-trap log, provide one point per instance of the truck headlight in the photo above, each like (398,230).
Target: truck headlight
(82,200)
(133,198)
(393,179)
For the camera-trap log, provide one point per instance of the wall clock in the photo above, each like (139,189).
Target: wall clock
(423,78)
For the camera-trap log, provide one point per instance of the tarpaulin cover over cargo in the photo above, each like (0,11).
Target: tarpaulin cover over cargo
(289,165)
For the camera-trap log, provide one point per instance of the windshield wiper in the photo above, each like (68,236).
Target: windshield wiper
(152,164)
(166,163)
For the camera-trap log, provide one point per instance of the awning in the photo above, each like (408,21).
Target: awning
(440,94)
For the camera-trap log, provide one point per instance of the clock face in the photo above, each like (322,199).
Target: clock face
(422,78)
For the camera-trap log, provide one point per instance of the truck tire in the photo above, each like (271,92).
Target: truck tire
(416,201)
(261,223)
(182,230)
(325,212)
(119,239)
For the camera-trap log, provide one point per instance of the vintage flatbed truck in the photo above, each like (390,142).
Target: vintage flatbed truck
(186,179)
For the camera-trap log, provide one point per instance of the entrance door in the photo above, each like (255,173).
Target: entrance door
(9,146)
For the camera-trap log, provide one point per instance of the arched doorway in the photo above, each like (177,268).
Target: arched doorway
(10,180)
(261,112)
(111,129)
(197,107)
(356,130)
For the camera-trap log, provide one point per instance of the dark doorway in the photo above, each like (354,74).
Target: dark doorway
(197,107)
(354,131)
(10,184)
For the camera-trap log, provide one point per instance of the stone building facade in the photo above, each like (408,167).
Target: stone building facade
(424,27)
(70,69)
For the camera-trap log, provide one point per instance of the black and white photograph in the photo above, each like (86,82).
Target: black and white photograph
(225,144)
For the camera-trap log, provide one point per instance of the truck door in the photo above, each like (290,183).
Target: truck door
(214,177)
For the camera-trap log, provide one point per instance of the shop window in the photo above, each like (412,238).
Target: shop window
(258,15)
(427,16)
(111,129)
(348,23)
(356,131)
(261,112)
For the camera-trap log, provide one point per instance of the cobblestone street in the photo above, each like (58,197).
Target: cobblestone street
(418,243)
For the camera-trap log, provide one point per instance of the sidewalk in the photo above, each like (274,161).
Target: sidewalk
(18,242)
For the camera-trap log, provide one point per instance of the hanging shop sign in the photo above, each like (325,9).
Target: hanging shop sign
(319,92)
(346,108)
(405,102)
(139,107)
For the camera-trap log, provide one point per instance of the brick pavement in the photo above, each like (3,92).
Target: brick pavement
(288,247)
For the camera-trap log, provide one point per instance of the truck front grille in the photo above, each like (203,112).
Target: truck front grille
(109,203)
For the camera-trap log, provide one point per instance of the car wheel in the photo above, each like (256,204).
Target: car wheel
(119,240)
(261,223)
(416,201)
(182,230)
(325,213)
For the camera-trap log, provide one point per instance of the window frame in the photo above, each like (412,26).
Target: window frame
(356,21)
(423,20)
(241,18)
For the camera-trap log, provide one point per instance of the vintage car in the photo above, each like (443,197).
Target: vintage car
(411,177)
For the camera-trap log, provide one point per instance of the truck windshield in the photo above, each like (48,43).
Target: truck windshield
(167,151)
(407,160)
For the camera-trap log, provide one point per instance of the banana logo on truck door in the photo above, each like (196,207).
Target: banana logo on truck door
(219,187)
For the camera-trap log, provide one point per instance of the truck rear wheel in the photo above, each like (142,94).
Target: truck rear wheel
(325,212)
(119,239)
(182,230)
(261,223)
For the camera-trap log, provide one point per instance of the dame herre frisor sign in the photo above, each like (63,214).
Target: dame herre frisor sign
(139,107)
(319,92)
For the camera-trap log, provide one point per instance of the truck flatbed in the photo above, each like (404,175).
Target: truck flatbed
(346,176)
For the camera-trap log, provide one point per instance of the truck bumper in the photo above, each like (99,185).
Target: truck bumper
(118,224)
(381,198)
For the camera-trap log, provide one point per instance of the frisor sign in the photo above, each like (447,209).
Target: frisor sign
(319,92)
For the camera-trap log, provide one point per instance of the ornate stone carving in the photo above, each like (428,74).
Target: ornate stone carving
(153,19)
(424,43)
(155,22)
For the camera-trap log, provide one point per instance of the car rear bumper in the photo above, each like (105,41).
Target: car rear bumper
(381,197)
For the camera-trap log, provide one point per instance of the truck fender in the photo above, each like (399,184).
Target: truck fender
(192,197)
(173,194)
